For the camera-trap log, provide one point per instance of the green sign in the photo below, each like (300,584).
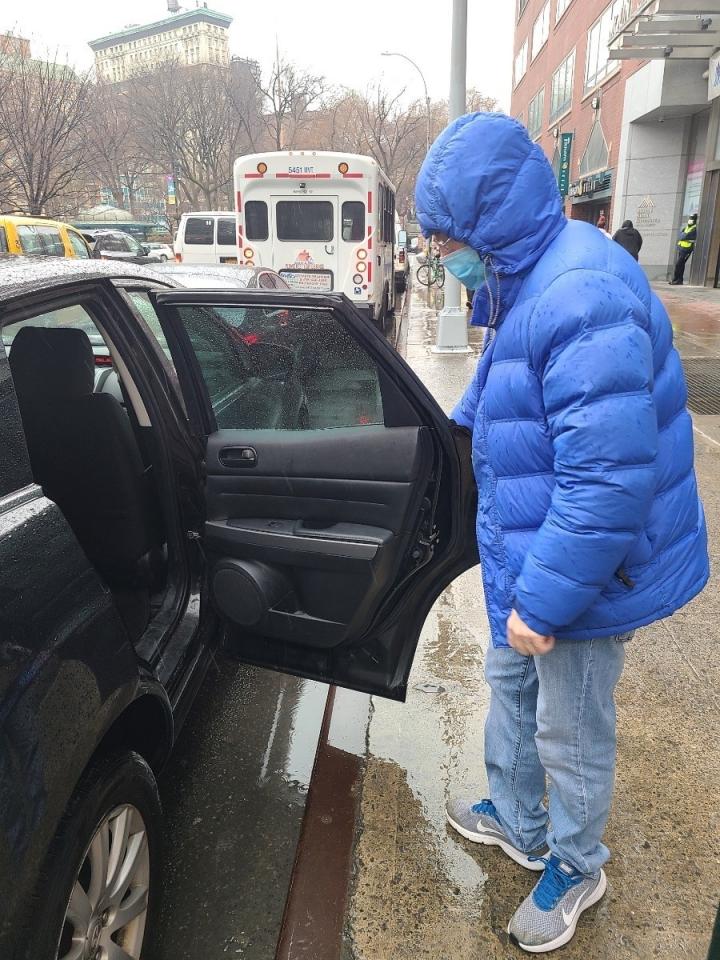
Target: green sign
(564,171)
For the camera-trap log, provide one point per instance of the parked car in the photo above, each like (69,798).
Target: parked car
(41,237)
(298,493)
(402,260)
(163,250)
(118,245)
(209,275)
(207,237)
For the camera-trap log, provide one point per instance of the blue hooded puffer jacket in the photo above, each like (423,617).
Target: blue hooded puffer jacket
(589,521)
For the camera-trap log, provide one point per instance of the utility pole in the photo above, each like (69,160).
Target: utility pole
(452,323)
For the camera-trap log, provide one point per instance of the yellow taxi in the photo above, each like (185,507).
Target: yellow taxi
(41,237)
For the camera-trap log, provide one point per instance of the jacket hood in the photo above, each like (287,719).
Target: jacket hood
(486,184)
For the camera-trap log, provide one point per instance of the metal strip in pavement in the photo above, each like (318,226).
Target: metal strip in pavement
(312,927)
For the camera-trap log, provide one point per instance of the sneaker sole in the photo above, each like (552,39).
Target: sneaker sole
(597,894)
(517,855)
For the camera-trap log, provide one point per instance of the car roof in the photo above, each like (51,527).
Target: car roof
(21,219)
(24,275)
(209,274)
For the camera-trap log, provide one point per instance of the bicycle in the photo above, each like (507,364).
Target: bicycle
(432,272)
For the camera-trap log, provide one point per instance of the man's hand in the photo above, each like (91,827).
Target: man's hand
(526,641)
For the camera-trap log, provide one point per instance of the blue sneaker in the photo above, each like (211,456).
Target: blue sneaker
(547,918)
(479,822)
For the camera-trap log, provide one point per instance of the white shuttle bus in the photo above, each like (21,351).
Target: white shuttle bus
(324,221)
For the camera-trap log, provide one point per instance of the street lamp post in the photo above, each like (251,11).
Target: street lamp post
(388,53)
(452,335)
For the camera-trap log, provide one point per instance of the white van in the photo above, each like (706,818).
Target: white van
(207,237)
(323,221)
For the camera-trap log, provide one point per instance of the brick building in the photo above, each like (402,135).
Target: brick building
(565,84)
(628,93)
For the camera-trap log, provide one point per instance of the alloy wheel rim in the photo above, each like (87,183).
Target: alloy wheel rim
(107,910)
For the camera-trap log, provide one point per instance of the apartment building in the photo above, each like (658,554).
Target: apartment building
(195,36)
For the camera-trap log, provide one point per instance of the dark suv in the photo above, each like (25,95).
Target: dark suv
(118,245)
(179,468)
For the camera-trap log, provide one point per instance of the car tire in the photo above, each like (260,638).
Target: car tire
(163,258)
(113,816)
(400,284)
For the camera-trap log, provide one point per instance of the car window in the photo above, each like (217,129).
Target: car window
(256,220)
(294,369)
(266,281)
(226,231)
(134,246)
(15,472)
(111,243)
(144,307)
(40,241)
(304,220)
(353,221)
(74,317)
(3,241)
(78,245)
(200,230)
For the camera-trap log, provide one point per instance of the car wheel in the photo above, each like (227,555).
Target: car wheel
(163,258)
(98,888)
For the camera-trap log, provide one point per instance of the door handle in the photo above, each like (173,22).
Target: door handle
(331,251)
(238,457)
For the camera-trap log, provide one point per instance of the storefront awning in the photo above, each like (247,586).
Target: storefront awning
(666,30)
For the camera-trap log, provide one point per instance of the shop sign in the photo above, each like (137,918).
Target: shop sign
(645,214)
(564,172)
(587,186)
(714,77)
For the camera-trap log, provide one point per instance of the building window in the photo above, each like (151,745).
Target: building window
(521,63)
(535,114)
(562,6)
(597,154)
(597,64)
(562,87)
(521,7)
(541,30)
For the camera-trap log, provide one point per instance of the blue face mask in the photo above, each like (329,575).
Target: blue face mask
(466,265)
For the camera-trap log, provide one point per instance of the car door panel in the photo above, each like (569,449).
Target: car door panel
(325,547)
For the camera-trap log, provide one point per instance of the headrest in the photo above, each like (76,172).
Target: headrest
(52,362)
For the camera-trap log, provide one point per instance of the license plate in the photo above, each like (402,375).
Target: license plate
(311,281)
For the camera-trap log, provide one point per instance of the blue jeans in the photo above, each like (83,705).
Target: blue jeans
(554,715)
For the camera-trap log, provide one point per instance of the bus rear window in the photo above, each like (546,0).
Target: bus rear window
(304,220)
(226,231)
(199,230)
(256,220)
(353,221)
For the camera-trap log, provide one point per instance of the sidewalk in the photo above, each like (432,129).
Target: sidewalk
(421,892)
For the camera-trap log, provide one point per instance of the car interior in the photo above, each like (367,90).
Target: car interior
(311,521)
(92,450)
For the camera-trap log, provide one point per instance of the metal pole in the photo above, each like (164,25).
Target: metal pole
(452,322)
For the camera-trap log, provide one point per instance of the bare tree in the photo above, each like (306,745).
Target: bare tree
(287,96)
(43,116)
(116,159)
(188,125)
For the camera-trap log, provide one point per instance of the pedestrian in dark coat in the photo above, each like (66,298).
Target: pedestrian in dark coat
(629,238)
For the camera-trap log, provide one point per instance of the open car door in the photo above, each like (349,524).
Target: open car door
(339,498)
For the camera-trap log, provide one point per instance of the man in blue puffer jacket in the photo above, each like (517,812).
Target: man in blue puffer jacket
(589,522)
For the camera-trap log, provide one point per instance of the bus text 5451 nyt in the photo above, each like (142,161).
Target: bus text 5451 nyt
(324,221)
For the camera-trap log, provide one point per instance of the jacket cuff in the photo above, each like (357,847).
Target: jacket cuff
(539,626)
(458,415)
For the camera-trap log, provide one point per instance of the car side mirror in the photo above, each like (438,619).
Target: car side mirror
(145,249)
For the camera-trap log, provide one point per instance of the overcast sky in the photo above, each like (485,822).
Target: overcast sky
(339,39)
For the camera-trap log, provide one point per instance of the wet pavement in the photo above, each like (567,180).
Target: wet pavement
(421,892)
(234,796)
